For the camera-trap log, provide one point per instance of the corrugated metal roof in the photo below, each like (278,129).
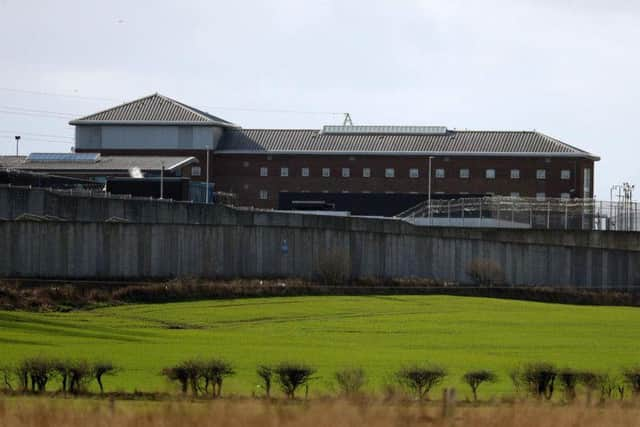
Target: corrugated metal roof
(453,142)
(107,163)
(153,109)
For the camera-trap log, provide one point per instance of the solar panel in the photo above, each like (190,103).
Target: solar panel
(64,157)
(406,130)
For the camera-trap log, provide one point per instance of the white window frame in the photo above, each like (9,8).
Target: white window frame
(264,171)
(263,195)
(541,197)
(515,174)
(414,173)
(541,174)
(490,173)
(366,172)
(465,173)
(565,174)
(326,172)
(389,172)
(196,171)
(284,171)
(304,172)
(565,196)
(346,172)
(440,173)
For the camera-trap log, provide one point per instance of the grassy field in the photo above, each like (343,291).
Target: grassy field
(379,333)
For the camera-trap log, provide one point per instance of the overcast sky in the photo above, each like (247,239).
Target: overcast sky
(567,68)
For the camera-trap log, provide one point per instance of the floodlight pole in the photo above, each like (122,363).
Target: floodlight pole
(17,142)
(162,180)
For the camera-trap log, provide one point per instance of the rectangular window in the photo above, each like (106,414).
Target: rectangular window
(464,173)
(440,173)
(541,196)
(346,172)
(586,193)
(389,173)
(284,171)
(490,174)
(541,174)
(264,171)
(515,194)
(565,196)
(565,174)
(326,172)
(264,195)
(305,172)
(196,171)
(366,173)
(414,173)
(515,173)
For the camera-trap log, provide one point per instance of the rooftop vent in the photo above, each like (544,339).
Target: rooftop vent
(404,130)
(63,157)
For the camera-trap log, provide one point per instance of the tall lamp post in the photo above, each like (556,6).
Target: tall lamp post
(429,190)
(162,180)
(17,142)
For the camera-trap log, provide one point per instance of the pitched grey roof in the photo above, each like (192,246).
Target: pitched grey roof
(451,142)
(153,109)
(106,163)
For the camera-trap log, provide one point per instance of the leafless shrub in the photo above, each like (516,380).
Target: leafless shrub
(485,272)
(475,378)
(540,378)
(351,380)
(103,368)
(187,374)
(421,379)
(333,268)
(213,372)
(569,379)
(79,376)
(7,373)
(632,377)
(292,375)
(265,373)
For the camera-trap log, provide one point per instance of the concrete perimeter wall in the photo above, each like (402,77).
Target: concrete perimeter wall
(190,240)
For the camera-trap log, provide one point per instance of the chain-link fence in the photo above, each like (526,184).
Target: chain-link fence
(517,212)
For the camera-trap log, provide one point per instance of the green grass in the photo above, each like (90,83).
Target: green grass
(379,333)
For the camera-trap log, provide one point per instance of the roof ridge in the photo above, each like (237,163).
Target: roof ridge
(116,106)
(557,141)
(197,114)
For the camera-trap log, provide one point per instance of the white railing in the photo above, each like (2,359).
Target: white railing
(517,212)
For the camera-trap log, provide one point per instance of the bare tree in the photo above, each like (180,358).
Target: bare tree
(351,380)
(293,375)
(265,373)
(475,378)
(421,379)
(103,368)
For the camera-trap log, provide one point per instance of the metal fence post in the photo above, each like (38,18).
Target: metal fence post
(462,210)
(449,211)
(566,215)
(548,213)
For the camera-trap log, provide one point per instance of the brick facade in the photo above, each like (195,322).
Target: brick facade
(240,174)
